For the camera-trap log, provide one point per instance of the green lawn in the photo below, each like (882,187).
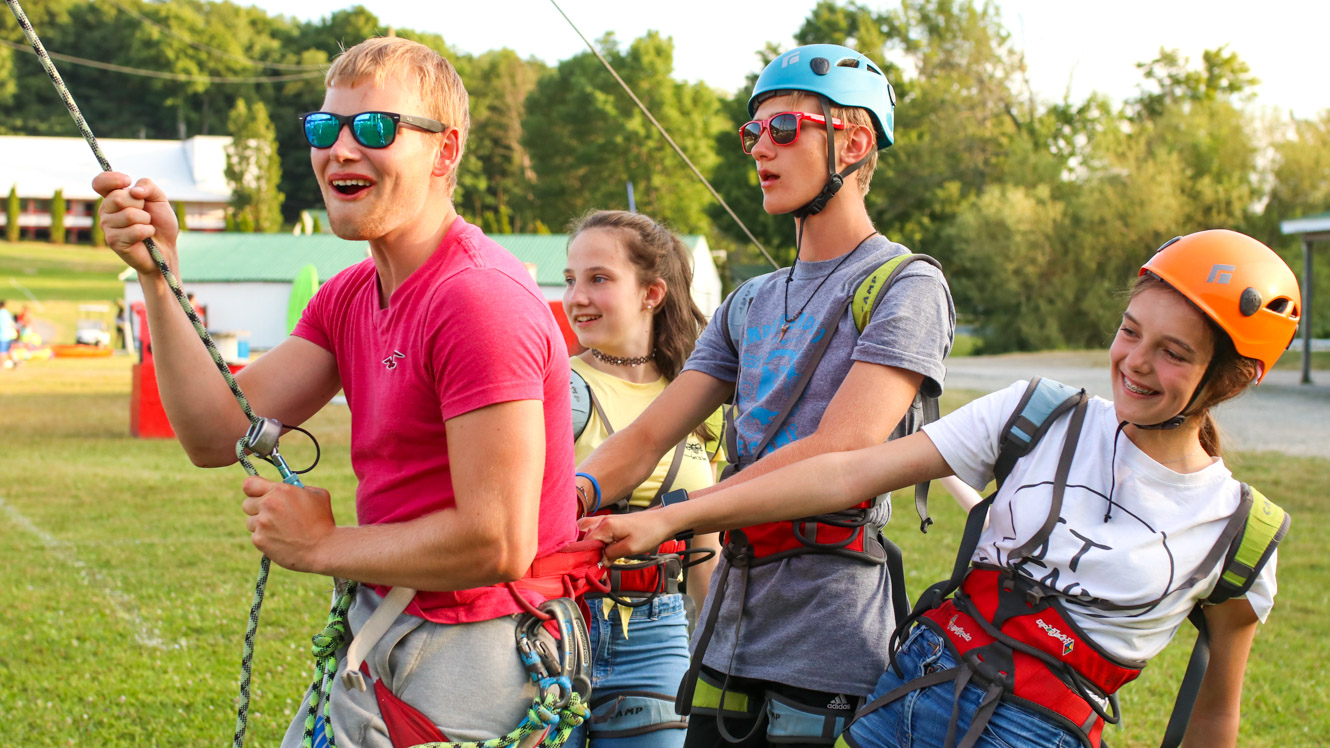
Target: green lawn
(128,578)
(52,280)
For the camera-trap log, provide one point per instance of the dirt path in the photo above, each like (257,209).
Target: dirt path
(1280,415)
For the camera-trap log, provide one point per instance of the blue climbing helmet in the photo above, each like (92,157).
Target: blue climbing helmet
(835,75)
(840,74)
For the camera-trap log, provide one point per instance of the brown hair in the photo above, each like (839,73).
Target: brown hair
(851,116)
(441,88)
(1226,376)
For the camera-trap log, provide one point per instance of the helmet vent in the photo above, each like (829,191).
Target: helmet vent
(848,62)
(872,69)
(1278,306)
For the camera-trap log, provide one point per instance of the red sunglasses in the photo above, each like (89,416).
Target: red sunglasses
(783,127)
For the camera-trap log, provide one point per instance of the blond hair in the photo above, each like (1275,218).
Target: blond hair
(851,116)
(441,88)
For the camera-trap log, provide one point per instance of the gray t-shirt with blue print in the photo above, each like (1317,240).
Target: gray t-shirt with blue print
(818,621)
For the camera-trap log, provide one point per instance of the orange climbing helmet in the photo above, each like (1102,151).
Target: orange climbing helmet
(1239,283)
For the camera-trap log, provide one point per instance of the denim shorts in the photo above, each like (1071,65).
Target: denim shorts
(920,718)
(650,659)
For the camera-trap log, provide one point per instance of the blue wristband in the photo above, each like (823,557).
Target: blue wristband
(596,486)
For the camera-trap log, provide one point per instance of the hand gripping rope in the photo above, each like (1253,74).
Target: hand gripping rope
(261,439)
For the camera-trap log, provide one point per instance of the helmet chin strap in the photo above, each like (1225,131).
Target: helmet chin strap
(835,180)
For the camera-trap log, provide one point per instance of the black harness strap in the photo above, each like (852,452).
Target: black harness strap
(668,482)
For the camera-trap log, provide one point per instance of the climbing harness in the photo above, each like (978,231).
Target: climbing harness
(1012,636)
(561,674)
(636,581)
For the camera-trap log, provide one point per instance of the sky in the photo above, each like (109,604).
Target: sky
(1070,45)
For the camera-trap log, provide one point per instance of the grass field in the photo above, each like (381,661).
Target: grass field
(128,577)
(52,280)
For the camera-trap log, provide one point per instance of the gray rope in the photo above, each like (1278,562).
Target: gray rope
(261,584)
(667,137)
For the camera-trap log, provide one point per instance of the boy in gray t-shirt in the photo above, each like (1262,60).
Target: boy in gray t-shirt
(802,638)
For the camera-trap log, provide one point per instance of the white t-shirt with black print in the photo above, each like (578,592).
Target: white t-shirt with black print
(1160,528)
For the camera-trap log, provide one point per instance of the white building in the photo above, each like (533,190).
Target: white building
(190,171)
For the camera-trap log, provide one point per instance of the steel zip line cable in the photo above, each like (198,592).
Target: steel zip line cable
(261,584)
(666,135)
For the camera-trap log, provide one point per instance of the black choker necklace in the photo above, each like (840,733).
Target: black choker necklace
(622,360)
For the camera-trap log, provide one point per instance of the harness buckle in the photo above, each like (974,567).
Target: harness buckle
(353,680)
(990,669)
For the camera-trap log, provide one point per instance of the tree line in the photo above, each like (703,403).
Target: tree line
(1039,210)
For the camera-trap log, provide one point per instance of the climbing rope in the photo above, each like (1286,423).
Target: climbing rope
(256,423)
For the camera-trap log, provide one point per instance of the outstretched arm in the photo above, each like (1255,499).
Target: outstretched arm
(865,410)
(626,459)
(822,484)
(1214,720)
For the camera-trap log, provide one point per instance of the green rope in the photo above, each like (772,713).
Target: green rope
(335,635)
(540,716)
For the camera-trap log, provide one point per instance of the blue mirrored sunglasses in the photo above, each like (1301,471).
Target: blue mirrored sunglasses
(370,129)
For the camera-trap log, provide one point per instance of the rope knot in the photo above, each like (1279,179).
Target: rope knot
(331,639)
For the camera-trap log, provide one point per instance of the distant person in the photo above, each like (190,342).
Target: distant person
(120,324)
(461,438)
(627,296)
(23,322)
(8,333)
(202,311)
(1114,522)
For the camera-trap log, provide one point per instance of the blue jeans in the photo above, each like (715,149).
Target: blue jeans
(919,719)
(626,670)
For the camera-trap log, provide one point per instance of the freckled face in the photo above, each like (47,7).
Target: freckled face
(372,192)
(604,301)
(1158,356)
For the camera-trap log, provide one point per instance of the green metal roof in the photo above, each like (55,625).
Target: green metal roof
(235,257)
(232,257)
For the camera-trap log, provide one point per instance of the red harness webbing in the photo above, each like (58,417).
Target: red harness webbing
(1041,626)
(845,533)
(568,572)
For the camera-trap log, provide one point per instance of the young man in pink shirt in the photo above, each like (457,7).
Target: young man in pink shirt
(456,377)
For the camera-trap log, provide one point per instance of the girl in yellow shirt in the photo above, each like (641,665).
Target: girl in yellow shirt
(627,299)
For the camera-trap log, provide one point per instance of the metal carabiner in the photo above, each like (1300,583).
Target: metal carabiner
(568,667)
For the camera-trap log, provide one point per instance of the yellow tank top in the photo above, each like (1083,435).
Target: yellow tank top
(624,401)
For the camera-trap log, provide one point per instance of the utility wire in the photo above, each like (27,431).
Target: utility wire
(213,50)
(666,135)
(166,76)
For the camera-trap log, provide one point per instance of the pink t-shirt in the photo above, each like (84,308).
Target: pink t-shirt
(466,330)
